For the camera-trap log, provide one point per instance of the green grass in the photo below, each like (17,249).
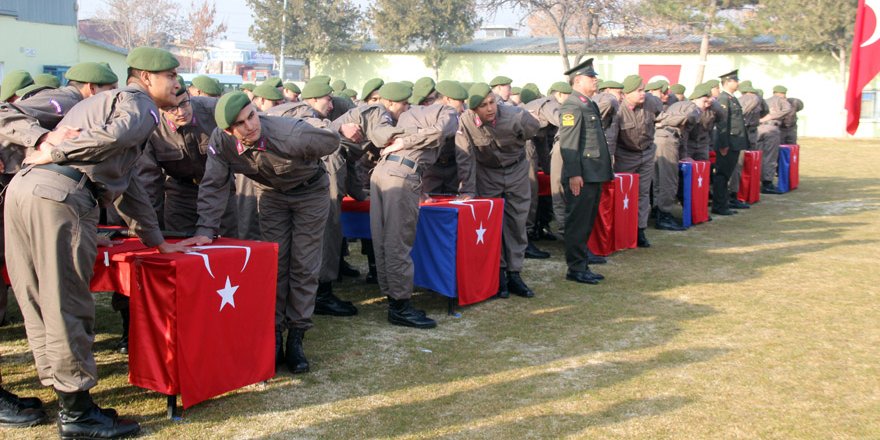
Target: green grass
(761,325)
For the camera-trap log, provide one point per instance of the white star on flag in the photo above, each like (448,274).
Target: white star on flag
(227,294)
(794,158)
(626,201)
(700,182)
(480,232)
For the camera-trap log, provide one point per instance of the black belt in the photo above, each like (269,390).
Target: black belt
(313,179)
(70,172)
(672,131)
(184,181)
(402,160)
(773,123)
(518,160)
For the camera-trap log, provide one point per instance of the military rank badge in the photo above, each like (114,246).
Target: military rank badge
(567,120)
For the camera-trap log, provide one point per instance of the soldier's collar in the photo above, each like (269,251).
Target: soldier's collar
(174,128)
(260,145)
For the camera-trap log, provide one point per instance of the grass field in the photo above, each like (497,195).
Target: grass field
(761,325)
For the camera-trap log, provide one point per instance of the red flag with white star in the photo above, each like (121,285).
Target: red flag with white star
(203,322)
(865,59)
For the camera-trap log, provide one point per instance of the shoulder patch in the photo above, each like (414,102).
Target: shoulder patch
(57,106)
(583,99)
(155,116)
(568,120)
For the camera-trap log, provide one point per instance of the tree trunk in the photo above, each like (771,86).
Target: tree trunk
(704,43)
(563,51)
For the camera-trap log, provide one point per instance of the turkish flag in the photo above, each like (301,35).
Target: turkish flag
(864,61)
(750,179)
(202,323)
(543,183)
(700,191)
(653,72)
(626,210)
(601,241)
(794,165)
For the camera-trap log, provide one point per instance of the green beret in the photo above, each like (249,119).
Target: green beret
(228,108)
(452,89)
(14,81)
(500,81)
(561,87)
(91,73)
(208,85)
(478,93)
(610,85)
(747,88)
(759,92)
(663,82)
(422,88)
(712,83)
(182,85)
(526,96)
(321,78)
(349,93)
(151,59)
(395,91)
(780,89)
(677,89)
(651,86)
(274,81)
(247,86)
(371,86)
(316,89)
(515,90)
(292,87)
(22,93)
(47,80)
(467,85)
(747,83)
(631,83)
(533,87)
(409,84)
(701,91)
(339,85)
(268,91)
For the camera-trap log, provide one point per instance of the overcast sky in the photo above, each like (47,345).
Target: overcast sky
(238,18)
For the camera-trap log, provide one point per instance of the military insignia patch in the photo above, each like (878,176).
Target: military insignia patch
(567,120)
(155,117)
(57,106)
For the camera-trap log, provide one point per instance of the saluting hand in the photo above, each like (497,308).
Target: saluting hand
(576,183)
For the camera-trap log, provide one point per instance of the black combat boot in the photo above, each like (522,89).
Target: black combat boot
(517,286)
(347,270)
(279,346)
(18,412)
(122,345)
(734,203)
(595,259)
(80,418)
(326,303)
(532,251)
(768,188)
(502,285)
(667,222)
(402,313)
(296,357)
(642,240)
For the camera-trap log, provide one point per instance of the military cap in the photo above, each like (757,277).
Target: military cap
(712,83)
(409,84)
(663,82)
(268,91)
(228,108)
(561,87)
(273,81)
(701,91)
(422,88)
(151,59)
(746,83)
(371,86)
(208,85)
(651,86)
(746,88)
(452,89)
(339,85)
(500,81)
(533,87)
(92,73)
(182,85)
(14,81)
(610,85)
(585,68)
(477,93)
(47,80)
(316,89)
(759,92)
(677,89)
(731,75)
(467,85)
(631,83)
(515,90)
(780,89)
(247,86)
(22,93)
(395,91)
(321,78)
(348,93)
(292,87)
(527,96)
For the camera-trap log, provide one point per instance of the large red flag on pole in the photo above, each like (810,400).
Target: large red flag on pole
(865,60)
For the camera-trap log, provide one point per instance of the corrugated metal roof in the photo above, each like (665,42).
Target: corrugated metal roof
(103,45)
(61,12)
(648,44)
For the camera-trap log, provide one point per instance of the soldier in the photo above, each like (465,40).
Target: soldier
(732,139)
(204,85)
(754,108)
(586,164)
(501,88)
(13,82)
(395,192)
(491,157)
(338,86)
(291,92)
(700,137)
(678,91)
(47,80)
(635,150)
(788,130)
(515,97)
(292,200)
(351,94)
(52,217)
(658,90)
(248,89)
(267,96)
(671,140)
(370,93)
(770,137)
(441,177)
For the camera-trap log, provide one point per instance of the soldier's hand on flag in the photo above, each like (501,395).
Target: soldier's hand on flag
(197,240)
(168,248)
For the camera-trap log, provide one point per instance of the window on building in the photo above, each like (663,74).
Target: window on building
(58,71)
(870,105)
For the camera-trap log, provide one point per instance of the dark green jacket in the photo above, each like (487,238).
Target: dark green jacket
(730,124)
(582,141)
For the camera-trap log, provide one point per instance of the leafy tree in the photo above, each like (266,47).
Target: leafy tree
(430,26)
(314,27)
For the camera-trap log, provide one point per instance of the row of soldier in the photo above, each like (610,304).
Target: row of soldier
(274,163)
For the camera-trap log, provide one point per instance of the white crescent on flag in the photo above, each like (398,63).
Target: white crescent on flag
(247,255)
(874,6)
(468,202)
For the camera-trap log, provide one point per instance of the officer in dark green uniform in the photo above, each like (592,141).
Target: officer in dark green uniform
(732,138)
(586,163)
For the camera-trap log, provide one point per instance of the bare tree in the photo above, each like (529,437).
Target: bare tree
(134,23)
(202,29)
